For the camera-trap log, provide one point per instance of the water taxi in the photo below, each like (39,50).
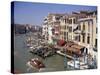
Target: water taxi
(35,63)
(77,64)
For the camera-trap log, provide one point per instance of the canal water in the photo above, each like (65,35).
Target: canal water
(22,56)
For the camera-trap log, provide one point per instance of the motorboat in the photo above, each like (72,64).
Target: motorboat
(77,64)
(28,45)
(73,64)
(35,63)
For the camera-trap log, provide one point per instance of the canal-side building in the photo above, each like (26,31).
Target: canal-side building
(45,28)
(51,27)
(79,27)
(64,27)
(86,34)
(69,24)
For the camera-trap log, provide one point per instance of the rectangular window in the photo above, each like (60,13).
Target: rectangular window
(88,39)
(70,29)
(65,27)
(88,27)
(79,38)
(76,38)
(64,37)
(67,35)
(70,21)
(79,27)
(65,21)
(96,30)
(83,38)
(74,21)
(83,26)
(96,43)
(64,33)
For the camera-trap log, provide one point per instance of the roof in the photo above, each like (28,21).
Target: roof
(69,43)
(71,49)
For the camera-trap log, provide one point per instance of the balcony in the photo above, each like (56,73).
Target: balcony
(69,25)
(56,32)
(78,32)
(82,32)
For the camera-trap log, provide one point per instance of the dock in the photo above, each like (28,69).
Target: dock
(60,53)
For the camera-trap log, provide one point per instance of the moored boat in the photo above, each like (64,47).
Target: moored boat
(77,65)
(35,63)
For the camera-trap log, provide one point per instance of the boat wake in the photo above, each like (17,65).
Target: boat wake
(46,69)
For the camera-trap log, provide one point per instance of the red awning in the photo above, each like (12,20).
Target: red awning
(61,42)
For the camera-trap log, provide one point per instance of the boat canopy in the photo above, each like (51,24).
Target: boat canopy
(79,47)
(75,48)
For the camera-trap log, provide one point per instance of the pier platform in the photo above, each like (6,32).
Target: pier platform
(60,53)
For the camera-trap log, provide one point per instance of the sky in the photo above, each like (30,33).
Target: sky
(34,13)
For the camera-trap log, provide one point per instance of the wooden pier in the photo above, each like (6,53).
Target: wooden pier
(60,53)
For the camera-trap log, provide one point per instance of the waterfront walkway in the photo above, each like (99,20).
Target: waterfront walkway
(60,53)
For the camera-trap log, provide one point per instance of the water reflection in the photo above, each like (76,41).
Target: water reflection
(22,56)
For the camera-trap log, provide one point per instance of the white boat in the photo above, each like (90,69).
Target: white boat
(77,65)
(28,45)
(73,64)
(31,47)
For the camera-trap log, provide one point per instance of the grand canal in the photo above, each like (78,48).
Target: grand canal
(22,56)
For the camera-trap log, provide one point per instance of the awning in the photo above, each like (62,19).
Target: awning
(74,50)
(73,47)
(77,46)
(69,43)
(61,42)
